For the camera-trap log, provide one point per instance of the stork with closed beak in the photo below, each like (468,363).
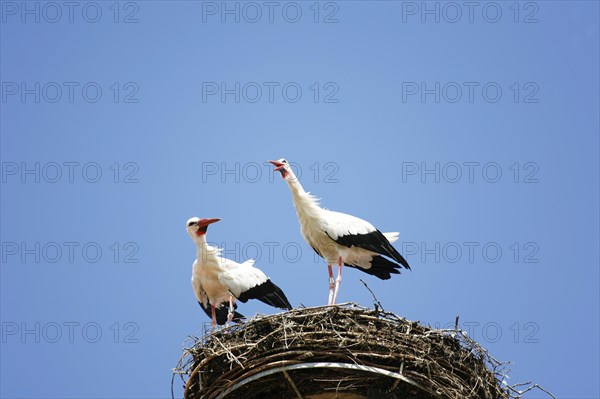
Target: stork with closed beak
(218,281)
(340,238)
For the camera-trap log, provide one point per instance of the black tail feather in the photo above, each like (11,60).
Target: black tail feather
(221,313)
(268,293)
(390,251)
(397,257)
(380,267)
(374,241)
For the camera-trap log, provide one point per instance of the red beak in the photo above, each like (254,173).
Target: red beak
(206,222)
(278,165)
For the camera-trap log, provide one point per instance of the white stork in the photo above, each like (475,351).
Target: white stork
(217,280)
(340,238)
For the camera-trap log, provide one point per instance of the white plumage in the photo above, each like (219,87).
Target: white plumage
(340,238)
(219,281)
(241,277)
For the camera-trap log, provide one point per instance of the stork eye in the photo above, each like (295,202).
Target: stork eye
(283,161)
(191,223)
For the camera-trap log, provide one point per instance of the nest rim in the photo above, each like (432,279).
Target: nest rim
(222,362)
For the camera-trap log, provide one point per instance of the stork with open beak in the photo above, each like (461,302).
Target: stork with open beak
(218,281)
(340,238)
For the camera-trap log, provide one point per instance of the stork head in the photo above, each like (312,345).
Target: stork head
(283,167)
(197,227)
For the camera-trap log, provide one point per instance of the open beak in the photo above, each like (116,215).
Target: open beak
(278,165)
(206,222)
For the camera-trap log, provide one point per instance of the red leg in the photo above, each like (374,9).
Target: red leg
(331,285)
(338,281)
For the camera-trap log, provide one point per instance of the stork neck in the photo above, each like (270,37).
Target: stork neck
(304,203)
(206,255)
(201,244)
(296,187)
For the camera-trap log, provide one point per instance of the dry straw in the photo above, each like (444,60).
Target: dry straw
(342,351)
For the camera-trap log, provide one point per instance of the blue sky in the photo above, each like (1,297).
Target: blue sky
(472,131)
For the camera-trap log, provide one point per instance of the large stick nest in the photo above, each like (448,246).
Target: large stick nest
(343,351)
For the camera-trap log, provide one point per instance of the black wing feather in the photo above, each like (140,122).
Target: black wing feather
(221,312)
(374,241)
(268,293)
(380,267)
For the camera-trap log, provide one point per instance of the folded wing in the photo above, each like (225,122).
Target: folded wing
(247,282)
(349,231)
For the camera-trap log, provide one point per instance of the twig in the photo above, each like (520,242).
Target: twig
(375,300)
(229,353)
(530,388)
(284,331)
